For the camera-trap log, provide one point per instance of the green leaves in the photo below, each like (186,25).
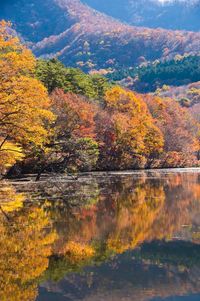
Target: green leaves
(54,75)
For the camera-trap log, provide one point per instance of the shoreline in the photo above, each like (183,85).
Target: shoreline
(31,178)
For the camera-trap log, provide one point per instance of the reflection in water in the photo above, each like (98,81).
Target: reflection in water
(25,245)
(130,237)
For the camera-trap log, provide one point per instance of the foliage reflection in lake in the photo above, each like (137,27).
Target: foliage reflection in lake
(101,237)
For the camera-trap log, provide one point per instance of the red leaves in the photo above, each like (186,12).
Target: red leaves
(75,113)
(178,127)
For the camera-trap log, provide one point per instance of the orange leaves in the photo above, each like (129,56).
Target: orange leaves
(24,101)
(176,124)
(77,252)
(9,154)
(6,38)
(124,101)
(124,129)
(135,131)
(10,200)
(73,129)
(74,113)
(14,57)
(25,246)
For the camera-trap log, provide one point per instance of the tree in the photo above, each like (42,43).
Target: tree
(54,74)
(24,103)
(180,130)
(75,129)
(75,115)
(133,136)
(72,146)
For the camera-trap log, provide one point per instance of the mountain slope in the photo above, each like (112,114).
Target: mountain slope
(81,36)
(37,19)
(171,14)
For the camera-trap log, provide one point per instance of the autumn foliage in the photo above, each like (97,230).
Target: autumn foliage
(78,129)
(24,101)
(25,246)
(131,136)
(180,131)
(75,115)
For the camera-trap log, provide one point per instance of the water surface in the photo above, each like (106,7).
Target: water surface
(132,236)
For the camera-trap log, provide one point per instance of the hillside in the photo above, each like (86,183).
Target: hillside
(149,77)
(172,14)
(80,36)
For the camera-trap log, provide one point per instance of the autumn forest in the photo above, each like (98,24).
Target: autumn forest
(58,119)
(99,150)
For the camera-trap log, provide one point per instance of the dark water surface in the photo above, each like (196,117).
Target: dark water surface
(101,237)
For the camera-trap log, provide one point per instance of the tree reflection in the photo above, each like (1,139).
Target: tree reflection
(85,224)
(9,199)
(25,245)
(130,213)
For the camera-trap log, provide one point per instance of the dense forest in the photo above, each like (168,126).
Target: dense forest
(53,74)
(148,77)
(60,119)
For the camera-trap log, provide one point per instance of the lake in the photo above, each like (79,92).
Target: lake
(131,236)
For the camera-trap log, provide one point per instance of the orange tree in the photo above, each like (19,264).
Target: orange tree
(126,131)
(72,146)
(24,103)
(180,131)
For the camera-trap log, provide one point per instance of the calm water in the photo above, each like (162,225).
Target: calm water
(103,237)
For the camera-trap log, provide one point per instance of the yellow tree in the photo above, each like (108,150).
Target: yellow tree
(24,101)
(136,135)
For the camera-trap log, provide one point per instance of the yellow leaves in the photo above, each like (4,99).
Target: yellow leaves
(25,246)
(24,103)
(15,62)
(134,223)
(9,199)
(154,140)
(116,245)
(10,153)
(78,252)
(14,57)
(6,39)
(24,110)
(3,24)
(124,101)
(134,125)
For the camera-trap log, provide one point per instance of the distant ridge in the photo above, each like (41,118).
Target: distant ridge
(168,14)
(82,37)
